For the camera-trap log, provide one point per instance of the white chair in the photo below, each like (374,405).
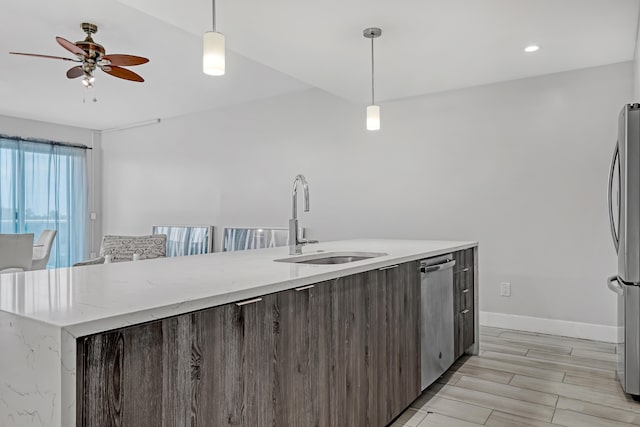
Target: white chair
(16,251)
(42,249)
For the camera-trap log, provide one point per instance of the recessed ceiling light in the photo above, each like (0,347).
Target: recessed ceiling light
(532,48)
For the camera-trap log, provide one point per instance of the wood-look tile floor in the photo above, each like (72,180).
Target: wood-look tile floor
(526,379)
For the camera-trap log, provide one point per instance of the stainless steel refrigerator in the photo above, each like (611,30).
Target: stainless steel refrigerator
(624,216)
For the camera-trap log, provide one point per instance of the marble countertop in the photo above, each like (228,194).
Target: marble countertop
(91,299)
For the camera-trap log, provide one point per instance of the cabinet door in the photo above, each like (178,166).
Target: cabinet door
(302,355)
(231,365)
(376,331)
(108,394)
(468,330)
(212,367)
(402,287)
(352,302)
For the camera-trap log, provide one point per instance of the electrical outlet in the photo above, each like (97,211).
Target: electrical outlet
(93,216)
(505,289)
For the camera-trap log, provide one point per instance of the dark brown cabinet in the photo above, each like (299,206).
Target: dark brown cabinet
(302,356)
(341,352)
(377,334)
(212,367)
(463,301)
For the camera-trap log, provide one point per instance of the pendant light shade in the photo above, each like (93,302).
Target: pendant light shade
(373,110)
(213,54)
(373,117)
(213,50)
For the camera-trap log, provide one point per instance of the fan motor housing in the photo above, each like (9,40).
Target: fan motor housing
(92,48)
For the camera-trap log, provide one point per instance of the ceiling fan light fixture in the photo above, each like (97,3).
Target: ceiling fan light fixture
(213,48)
(213,55)
(91,56)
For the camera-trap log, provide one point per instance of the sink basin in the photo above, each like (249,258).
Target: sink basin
(328,258)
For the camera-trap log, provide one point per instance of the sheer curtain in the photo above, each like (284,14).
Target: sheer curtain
(44,186)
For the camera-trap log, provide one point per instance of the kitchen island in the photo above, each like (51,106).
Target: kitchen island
(180,340)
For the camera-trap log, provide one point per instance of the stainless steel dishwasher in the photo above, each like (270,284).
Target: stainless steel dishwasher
(436,316)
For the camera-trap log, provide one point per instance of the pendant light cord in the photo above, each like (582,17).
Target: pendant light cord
(213,14)
(373,102)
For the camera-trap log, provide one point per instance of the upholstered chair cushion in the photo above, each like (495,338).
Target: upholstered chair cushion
(122,248)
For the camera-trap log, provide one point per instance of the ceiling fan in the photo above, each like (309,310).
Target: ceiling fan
(91,55)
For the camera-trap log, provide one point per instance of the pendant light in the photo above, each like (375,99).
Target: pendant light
(213,51)
(373,110)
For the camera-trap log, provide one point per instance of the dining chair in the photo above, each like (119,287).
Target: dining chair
(185,240)
(16,252)
(123,248)
(42,249)
(243,238)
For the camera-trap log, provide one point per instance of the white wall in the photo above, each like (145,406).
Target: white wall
(13,126)
(519,166)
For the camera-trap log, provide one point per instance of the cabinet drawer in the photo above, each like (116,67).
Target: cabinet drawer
(466,300)
(464,259)
(463,299)
(468,331)
(463,279)
(464,332)
(462,290)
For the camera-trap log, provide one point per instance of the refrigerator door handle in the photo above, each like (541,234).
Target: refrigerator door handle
(612,224)
(615,287)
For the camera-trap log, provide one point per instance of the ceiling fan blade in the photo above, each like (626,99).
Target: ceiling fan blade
(125,59)
(122,73)
(71,47)
(44,56)
(75,72)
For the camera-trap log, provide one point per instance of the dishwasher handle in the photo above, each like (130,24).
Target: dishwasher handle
(438,267)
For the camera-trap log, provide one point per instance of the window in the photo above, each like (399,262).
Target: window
(44,186)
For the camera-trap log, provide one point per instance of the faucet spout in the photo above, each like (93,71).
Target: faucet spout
(299,179)
(295,242)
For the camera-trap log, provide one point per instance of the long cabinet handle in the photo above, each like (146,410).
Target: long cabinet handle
(249,301)
(444,266)
(303,288)
(388,268)
(464,270)
(464,291)
(464,311)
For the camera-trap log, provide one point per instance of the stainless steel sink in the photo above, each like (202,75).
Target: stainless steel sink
(327,258)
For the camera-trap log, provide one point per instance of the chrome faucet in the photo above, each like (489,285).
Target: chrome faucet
(295,241)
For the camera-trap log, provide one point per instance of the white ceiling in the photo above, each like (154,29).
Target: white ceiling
(427,46)
(38,88)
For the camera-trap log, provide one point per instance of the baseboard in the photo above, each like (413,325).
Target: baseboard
(563,328)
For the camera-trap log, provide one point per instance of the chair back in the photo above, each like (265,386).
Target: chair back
(42,249)
(240,239)
(16,251)
(122,248)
